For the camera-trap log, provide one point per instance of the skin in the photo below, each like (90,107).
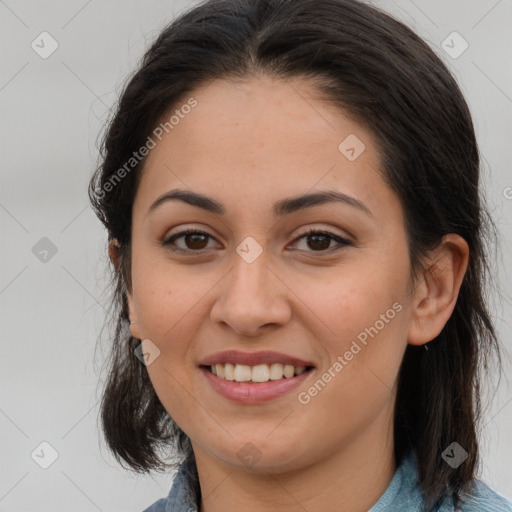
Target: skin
(248,144)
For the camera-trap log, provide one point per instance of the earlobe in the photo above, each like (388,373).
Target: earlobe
(436,295)
(115,257)
(113,251)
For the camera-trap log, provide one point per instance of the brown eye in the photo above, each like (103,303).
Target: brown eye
(320,241)
(194,240)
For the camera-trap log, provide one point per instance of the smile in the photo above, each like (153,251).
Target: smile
(257,373)
(254,377)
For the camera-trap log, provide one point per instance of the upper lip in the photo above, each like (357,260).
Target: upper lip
(253,358)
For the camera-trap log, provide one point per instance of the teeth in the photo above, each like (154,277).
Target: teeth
(258,373)
(288,371)
(220,370)
(229,371)
(276,371)
(242,373)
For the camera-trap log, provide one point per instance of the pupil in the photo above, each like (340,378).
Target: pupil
(315,239)
(195,237)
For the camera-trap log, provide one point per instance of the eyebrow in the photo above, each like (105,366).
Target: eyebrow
(280,208)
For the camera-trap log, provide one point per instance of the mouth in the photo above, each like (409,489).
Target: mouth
(256,374)
(254,377)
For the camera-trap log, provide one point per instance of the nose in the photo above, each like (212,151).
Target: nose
(252,298)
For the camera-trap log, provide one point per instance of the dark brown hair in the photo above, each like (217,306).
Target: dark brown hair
(386,77)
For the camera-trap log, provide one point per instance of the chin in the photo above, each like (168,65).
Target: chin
(262,455)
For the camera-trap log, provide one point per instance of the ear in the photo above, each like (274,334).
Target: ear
(436,293)
(114,252)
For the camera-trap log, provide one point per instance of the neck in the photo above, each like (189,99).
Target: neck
(352,478)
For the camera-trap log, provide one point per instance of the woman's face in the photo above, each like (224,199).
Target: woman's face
(255,284)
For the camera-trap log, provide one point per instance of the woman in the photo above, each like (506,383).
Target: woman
(291,193)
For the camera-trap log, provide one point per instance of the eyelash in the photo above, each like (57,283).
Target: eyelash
(169,243)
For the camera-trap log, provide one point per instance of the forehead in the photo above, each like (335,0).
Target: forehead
(263,139)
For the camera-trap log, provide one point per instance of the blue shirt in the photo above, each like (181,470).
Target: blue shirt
(402,495)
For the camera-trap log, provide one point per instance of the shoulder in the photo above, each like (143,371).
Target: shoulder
(184,493)
(405,494)
(158,506)
(482,498)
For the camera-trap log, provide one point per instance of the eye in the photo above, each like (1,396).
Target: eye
(319,240)
(197,241)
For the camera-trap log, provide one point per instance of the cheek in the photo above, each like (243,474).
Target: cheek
(365,318)
(347,303)
(167,311)
(359,380)
(167,298)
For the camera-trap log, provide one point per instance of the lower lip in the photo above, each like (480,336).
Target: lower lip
(255,393)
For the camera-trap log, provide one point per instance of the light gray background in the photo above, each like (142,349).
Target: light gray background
(51,312)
